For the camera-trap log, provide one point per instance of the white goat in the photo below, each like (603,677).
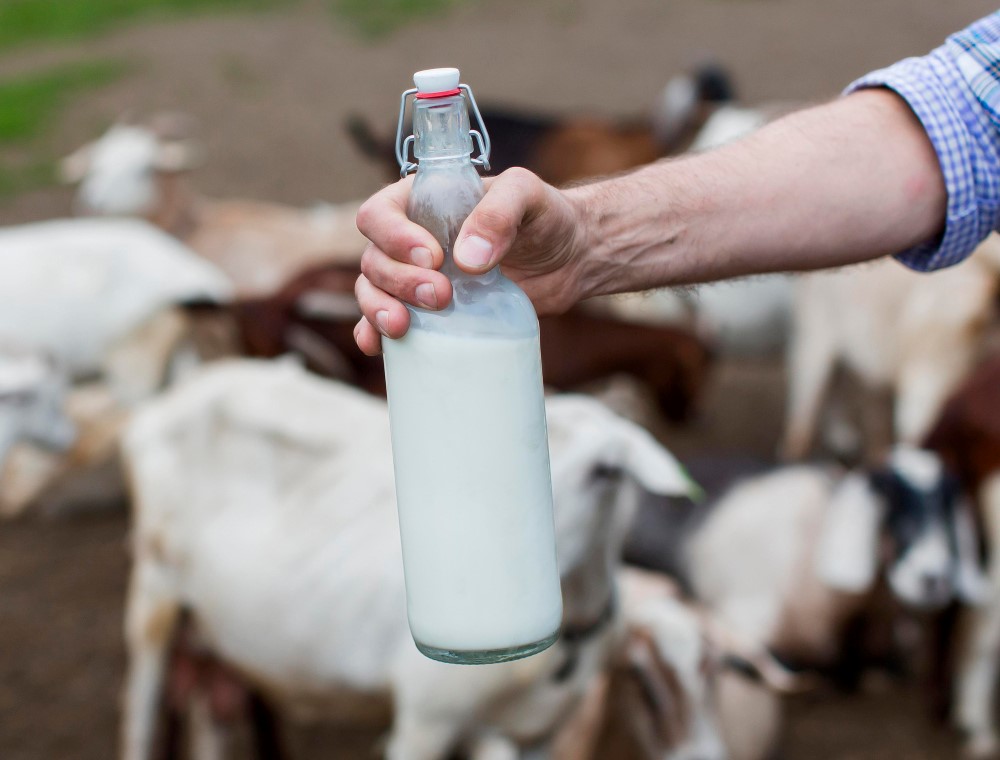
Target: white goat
(895,328)
(76,289)
(131,170)
(264,507)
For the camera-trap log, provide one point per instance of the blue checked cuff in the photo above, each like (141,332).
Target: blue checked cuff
(960,124)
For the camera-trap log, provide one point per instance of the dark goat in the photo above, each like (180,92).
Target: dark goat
(563,149)
(314,316)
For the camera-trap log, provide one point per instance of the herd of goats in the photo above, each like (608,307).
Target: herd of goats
(196,357)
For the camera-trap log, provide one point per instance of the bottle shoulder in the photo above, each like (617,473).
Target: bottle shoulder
(488,306)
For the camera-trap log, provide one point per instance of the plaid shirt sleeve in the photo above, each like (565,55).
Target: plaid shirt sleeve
(955,92)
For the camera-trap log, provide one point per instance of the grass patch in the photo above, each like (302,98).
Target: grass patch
(25,21)
(47,20)
(376,18)
(28,106)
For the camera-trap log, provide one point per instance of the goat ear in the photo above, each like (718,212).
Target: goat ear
(847,555)
(971,582)
(654,467)
(178,155)
(73,168)
(658,682)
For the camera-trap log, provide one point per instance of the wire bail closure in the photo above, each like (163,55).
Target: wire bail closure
(481,136)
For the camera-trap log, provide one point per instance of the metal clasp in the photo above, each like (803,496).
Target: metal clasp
(480,136)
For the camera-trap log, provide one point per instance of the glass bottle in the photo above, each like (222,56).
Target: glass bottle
(470,451)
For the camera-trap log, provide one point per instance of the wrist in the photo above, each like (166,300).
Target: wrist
(586,250)
(633,230)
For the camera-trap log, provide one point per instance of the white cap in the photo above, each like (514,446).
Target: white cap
(436,80)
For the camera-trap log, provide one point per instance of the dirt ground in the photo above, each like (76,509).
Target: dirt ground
(271,92)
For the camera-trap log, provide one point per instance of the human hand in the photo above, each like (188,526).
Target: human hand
(532,228)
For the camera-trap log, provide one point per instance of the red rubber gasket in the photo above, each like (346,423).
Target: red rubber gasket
(442,94)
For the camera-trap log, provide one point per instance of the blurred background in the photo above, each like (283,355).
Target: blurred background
(266,91)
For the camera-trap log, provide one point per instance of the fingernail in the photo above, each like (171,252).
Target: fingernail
(422,257)
(474,251)
(426,295)
(382,321)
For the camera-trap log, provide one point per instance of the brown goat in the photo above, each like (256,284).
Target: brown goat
(967,436)
(314,316)
(967,432)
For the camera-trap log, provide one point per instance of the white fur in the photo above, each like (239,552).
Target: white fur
(32,392)
(921,468)
(674,108)
(73,288)
(896,329)
(846,558)
(727,124)
(120,180)
(264,504)
(748,557)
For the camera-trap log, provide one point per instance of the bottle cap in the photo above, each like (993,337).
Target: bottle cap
(433,81)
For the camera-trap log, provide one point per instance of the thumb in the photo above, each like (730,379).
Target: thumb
(489,232)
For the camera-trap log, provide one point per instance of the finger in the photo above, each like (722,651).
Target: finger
(413,284)
(490,230)
(385,313)
(369,339)
(382,219)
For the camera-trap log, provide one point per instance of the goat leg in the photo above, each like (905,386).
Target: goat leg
(150,622)
(980,659)
(811,362)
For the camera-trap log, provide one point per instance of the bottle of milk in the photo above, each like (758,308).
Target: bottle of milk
(469,444)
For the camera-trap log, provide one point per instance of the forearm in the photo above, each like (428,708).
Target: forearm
(840,183)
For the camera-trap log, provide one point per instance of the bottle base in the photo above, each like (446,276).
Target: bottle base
(486,656)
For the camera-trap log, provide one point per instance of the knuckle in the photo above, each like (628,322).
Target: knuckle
(397,284)
(369,261)
(365,216)
(519,175)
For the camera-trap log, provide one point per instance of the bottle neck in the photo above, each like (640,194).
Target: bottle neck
(441,130)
